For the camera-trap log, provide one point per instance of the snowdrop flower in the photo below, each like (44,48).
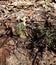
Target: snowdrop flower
(24,21)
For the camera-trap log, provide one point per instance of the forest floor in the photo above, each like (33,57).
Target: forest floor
(37,46)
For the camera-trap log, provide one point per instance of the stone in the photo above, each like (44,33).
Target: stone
(11,42)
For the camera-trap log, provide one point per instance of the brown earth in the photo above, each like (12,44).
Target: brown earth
(12,48)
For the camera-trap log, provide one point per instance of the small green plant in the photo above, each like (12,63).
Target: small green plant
(50,36)
(47,34)
(20,27)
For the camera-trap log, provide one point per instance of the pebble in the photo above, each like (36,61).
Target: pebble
(54,4)
(4,6)
(11,42)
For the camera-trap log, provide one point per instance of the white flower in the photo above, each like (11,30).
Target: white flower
(24,20)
